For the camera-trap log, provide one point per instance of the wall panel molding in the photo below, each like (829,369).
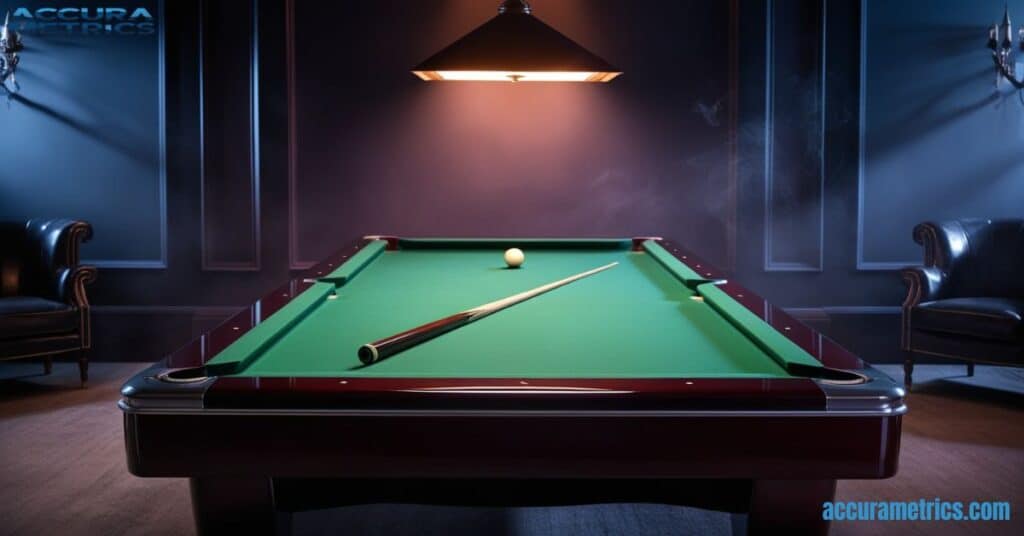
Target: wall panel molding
(813,263)
(161,90)
(219,192)
(294,260)
(862,263)
(732,172)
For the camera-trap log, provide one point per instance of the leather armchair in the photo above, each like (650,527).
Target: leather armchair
(967,301)
(44,309)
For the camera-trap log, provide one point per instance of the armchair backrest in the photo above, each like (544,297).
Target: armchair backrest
(980,257)
(34,254)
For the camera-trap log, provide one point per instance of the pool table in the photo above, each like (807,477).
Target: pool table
(659,380)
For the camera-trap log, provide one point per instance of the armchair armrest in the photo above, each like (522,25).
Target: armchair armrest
(924,283)
(71,287)
(53,246)
(57,241)
(71,284)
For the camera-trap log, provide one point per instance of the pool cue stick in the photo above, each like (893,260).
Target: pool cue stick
(375,351)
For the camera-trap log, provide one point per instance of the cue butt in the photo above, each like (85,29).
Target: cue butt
(379,350)
(368,353)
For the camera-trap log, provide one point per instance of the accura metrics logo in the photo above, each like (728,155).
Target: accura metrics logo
(84,21)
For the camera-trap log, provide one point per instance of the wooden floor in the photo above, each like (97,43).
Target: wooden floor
(62,451)
(63,469)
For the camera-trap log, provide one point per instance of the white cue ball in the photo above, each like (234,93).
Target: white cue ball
(514,257)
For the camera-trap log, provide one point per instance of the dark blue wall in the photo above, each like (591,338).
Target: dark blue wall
(830,205)
(289,131)
(940,141)
(84,137)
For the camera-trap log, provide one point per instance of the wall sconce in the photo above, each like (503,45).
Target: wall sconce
(10,45)
(1000,40)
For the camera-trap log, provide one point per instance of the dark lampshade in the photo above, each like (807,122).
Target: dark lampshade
(515,46)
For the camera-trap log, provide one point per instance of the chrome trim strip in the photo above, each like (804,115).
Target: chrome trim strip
(127,406)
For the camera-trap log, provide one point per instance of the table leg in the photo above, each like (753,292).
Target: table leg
(237,505)
(789,506)
(83,366)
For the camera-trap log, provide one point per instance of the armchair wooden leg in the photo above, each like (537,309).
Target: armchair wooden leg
(47,365)
(908,369)
(83,366)
(970,369)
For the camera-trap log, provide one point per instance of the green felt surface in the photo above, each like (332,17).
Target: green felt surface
(637,320)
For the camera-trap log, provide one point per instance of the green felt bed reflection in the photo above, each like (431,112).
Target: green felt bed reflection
(637,320)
